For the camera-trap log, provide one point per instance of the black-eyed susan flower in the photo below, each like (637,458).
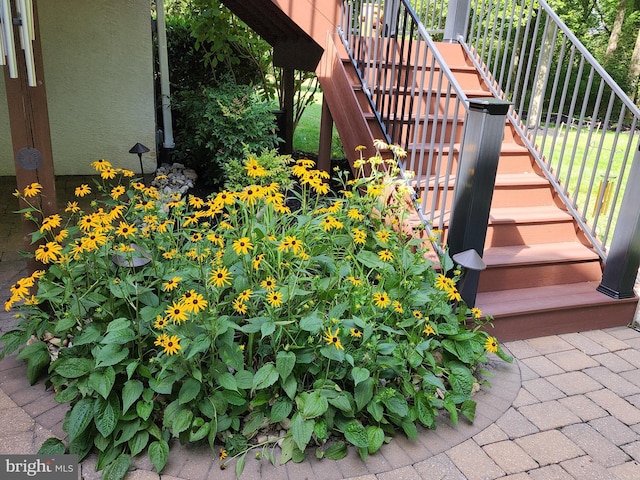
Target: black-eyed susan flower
(476,312)
(196,202)
(101,165)
(195,303)
(355,333)
(50,222)
(108,173)
(251,194)
(383,235)
(428,330)
(269,284)
(126,230)
(49,252)
(176,312)
(239,305)
(172,345)
(32,189)
(381,299)
(385,255)
(242,246)
(61,235)
(254,169)
(171,284)
(72,207)
(332,338)
(20,289)
(274,299)
(397,306)
(257,260)
(245,295)
(354,281)
(160,322)
(491,345)
(417,314)
(82,190)
(161,340)
(117,192)
(220,277)
(359,236)
(354,214)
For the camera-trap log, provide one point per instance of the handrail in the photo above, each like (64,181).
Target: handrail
(412,93)
(577,122)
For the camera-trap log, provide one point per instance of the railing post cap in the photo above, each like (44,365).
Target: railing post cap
(490,105)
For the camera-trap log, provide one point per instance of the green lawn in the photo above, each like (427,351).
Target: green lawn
(586,169)
(307,135)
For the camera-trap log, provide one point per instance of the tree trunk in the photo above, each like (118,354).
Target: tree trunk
(614,38)
(634,69)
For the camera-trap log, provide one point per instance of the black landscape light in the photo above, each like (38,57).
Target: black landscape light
(139,149)
(473,264)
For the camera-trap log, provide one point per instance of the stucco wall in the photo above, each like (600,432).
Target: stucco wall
(99,80)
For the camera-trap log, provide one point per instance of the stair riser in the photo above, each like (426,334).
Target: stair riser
(502,235)
(536,275)
(508,163)
(503,196)
(574,318)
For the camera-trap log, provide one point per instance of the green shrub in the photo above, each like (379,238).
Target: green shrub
(220,125)
(218,320)
(272,168)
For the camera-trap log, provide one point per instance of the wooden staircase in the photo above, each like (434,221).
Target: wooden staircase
(542,272)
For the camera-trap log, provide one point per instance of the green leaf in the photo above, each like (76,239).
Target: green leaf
(131,391)
(253,423)
(286,448)
(343,402)
(79,418)
(138,442)
(266,376)
(71,367)
(290,386)
(320,429)
(52,446)
(363,393)
(119,337)
(190,389)
(375,439)
(182,421)
(336,451)
(460,378)
(67,395)
(431,379)
(144,409)
(332,353)
(163,385)
(118,469)
(200,344)
(311,405)
(64,324)
(301,430)
(104,416)
(359,374)
(397,405)
(311,323)
(410,430)
(37,362)
(228,381)
(244,379)
(103,381)
(356,434)
(158,454)
(240,464)
(111,354)
(468,409)
(280,410)
(424,410)
(376,410)
(285,361)
(90,334)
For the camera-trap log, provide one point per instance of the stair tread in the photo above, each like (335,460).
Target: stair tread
(526,178)
(541,213)
(523,301)
(539,253)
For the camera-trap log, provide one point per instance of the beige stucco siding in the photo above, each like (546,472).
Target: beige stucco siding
(99,80)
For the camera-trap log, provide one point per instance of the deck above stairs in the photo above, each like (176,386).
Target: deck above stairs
(542,273)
